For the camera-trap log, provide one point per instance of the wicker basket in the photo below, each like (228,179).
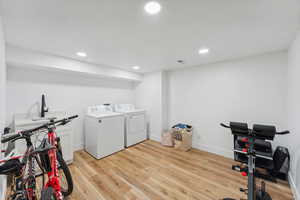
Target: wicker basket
(167,139)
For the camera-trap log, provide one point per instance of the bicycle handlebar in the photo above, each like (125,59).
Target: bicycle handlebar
(73,117)
(9,138)
(283,133)
(277,133)
(44,126)
(225,126)
(30,131)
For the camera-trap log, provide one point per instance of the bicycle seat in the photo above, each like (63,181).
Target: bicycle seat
(10,167)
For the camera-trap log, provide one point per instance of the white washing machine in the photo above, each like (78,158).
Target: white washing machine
(135,123)
(104,131)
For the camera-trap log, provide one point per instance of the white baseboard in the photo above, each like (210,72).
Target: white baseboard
(78,147)
(216,150)
(155,138)
(295,191)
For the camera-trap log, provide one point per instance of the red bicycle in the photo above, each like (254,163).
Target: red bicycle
(54,164)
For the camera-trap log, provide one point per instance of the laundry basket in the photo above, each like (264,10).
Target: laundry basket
(167,138)
(182,135)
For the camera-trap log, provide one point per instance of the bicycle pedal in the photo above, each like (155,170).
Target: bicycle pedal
(243,190)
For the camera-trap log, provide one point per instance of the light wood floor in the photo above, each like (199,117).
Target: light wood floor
(150,171)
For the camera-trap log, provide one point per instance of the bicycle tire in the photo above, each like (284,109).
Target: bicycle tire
(262,195)
(68,189)
(48,194)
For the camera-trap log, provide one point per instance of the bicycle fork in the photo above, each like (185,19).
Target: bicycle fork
(53,175)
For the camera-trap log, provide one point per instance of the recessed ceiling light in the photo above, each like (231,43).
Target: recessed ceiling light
(152,7)
(81,54)
(136,67)
(203,51)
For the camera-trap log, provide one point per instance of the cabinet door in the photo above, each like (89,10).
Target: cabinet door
(111,135)
(66,140)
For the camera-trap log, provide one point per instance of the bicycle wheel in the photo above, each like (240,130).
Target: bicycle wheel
(66,181)
(48,194)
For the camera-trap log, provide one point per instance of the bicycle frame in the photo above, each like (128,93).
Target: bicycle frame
(31,176)
(53,176)
(251,166)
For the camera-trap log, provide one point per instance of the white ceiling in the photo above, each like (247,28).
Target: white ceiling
(118,32)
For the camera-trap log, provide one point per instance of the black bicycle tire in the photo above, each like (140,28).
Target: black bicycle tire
(48,194)
(263,195)
(64,167)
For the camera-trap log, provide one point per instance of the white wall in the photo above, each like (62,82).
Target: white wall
(63,92)
(251,89)
(2,94)
(293,102)
(150,95)
(2,78)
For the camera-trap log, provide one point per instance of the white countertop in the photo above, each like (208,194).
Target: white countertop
(34,119)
